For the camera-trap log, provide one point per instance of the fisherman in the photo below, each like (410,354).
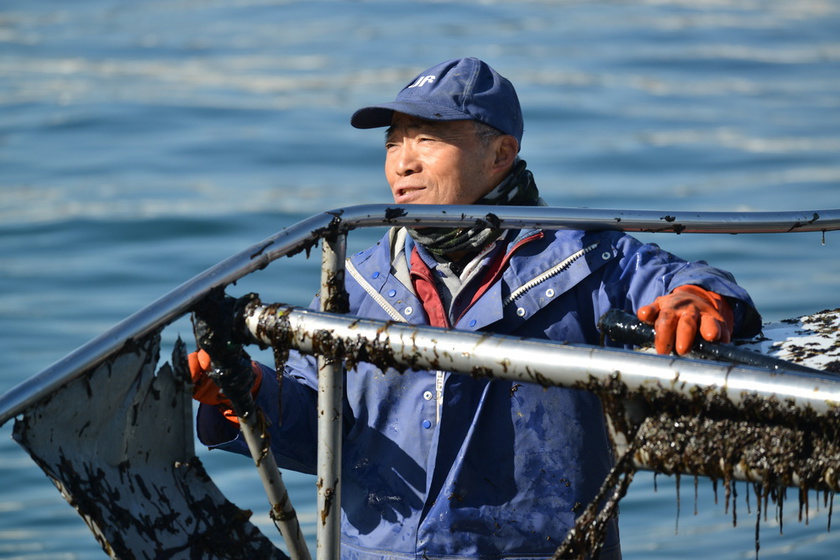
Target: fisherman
(438,465)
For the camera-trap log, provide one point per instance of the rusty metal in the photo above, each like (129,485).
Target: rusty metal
(402,346)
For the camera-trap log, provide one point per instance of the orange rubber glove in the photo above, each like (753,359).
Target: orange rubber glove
(687,310)
(207,392)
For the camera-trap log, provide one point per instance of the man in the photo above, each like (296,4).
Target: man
(437,465)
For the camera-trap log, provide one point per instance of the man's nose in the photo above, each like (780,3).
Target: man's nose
(405,159)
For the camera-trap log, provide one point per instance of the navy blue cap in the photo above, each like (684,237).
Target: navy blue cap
(460,89)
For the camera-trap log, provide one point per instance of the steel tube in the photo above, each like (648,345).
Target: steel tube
(540,361)
(518,217)
(282,512)
(158,314)
(302,236)
(330,402)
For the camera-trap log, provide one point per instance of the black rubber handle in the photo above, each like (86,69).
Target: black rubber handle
(625,328)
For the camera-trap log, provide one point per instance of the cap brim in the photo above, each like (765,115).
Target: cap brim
(377,116)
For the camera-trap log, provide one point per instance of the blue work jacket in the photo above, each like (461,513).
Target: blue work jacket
(438,465)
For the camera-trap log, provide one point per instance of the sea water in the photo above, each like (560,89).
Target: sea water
(143,142)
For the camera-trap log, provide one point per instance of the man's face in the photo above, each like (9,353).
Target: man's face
(438,162)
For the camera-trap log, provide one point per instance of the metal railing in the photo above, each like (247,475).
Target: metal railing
(468,351)
(306,234)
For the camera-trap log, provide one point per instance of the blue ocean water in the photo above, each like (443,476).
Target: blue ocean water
(143,142)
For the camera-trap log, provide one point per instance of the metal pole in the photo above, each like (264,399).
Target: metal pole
(330,403)
(282,512)
(808,401)
(233,372)
(302,235)
(546,217)
(537,361)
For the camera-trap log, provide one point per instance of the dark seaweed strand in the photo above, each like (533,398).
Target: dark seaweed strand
(749,507)
(757,518)
(780,507)
(677,479)
(696,492)
(734,502)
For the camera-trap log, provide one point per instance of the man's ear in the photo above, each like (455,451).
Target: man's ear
(506,149)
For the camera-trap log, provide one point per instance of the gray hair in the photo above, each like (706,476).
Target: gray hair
(486,133)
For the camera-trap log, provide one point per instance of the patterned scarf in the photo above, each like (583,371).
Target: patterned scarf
(518,189)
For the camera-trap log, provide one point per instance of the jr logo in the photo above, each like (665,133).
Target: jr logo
(422,80)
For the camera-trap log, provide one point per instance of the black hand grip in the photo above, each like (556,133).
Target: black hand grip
(625,328)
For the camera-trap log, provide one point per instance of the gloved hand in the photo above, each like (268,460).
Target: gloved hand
(678,316)
(207,392)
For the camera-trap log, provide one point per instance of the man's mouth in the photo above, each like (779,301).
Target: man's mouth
(407,193)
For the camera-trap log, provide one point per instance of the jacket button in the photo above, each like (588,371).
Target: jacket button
(606,255)
(472,323)
(408,310)
(427,424)
(375,275)
(520,311)
(428,395)
(549,292)
(392,293)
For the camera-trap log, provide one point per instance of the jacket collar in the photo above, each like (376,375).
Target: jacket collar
(528,257)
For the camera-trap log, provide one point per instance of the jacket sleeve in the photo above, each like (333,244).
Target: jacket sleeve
(294,438)
(293,399)
(644,272)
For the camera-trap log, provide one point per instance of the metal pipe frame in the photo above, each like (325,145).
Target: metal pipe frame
(330,403)
(283,514)
(407,347)
(306,233)
(533,360)
(428,347)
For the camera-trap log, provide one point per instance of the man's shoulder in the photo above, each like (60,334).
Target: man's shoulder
(378,250)
(566,240)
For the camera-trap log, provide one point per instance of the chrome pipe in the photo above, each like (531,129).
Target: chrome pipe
(531,360)
(330,406)
(283,513)
(614,374)
(544,217)
(305,234)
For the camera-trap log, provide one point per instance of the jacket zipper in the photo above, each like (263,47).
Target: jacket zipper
(383,303)
(519,292)
(550,273)
(440,376)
